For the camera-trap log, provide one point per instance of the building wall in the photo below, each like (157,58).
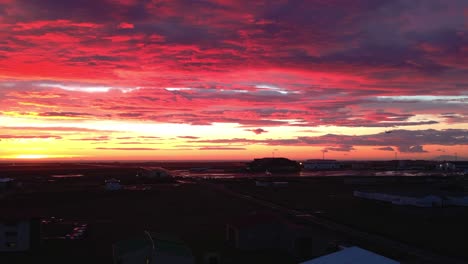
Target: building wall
(15,236)
(142,255)
(162,258)
(320,165)
(268,236)
(424,201)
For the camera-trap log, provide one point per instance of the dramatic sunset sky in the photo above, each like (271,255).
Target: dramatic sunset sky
(233,79)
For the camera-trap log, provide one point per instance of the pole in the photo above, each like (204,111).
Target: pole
(153,249)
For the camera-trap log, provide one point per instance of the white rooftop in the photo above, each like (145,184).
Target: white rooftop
(352,255)
(6,179)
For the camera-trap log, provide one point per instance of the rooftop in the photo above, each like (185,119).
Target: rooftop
(352,255)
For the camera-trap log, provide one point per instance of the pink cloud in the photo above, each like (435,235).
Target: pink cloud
(125,25)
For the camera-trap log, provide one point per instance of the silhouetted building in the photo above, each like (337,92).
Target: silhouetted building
(321,164)
(6,184)
(113,185)
(460,166)
(401,199)
(154,174)
(17,235)
(281,184)
(419,199)
(274,165)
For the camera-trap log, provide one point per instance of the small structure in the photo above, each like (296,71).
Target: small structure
(352,255)
(368,180)
(154,174)
(113,185)
(461,200)
(458,166)
(321,164)
(274,165)
(266,231)
(271,184)
(399,199)
(19,235)
(419,199)
(6,184)
(152,249)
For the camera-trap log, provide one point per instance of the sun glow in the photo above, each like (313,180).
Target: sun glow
(31,156)
(37,156)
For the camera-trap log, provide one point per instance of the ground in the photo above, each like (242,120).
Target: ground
(196,211)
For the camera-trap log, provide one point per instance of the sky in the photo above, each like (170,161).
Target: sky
(233,79)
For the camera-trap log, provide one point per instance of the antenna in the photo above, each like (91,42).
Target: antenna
(273,152)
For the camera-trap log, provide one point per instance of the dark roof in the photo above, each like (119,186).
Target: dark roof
(166,244)
(321,160)
(272,159)
(256,219)
(461,162)
(17,218)
(416,193)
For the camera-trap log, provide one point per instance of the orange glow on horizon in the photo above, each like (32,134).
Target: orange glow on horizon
(31,156)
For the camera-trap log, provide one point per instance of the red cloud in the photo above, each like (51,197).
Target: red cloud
(257,131)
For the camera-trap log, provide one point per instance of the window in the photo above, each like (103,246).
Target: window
(10,244)
(213,260)
(10,224)
(231,236)
(9,234)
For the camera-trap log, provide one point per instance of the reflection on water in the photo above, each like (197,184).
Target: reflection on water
(66,175)
(341,173)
